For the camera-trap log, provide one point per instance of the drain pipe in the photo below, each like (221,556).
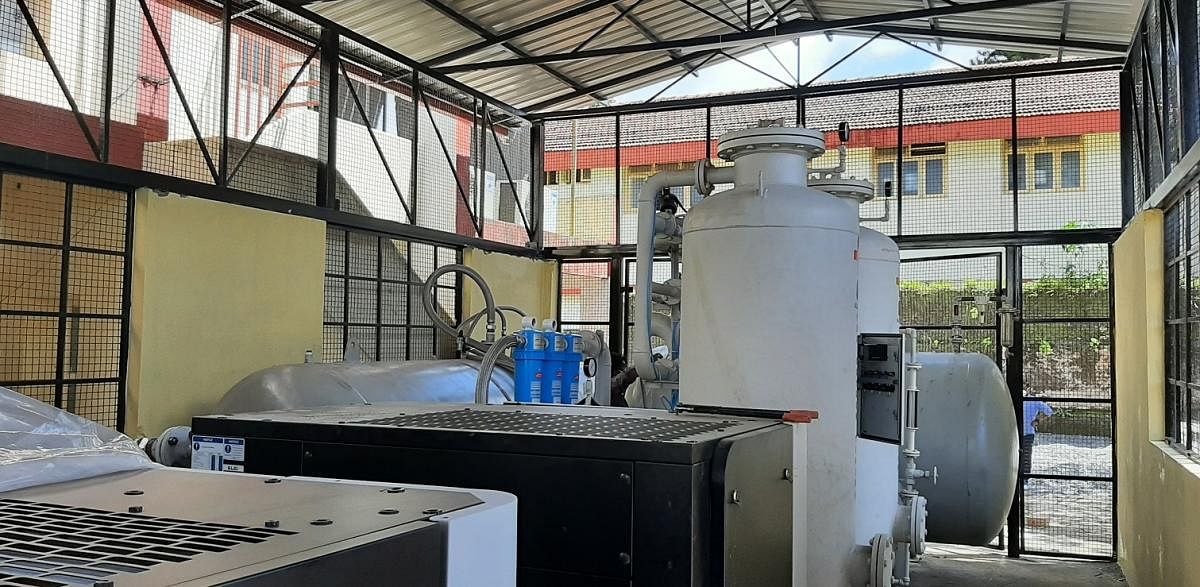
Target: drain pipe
(701,178)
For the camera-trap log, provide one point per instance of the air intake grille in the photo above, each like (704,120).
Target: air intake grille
(44,544)
(654,429)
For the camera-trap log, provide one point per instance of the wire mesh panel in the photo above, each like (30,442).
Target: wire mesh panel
(1181,253)
(507,179)
(374,157)
(446,155)
(1067,409)
(52,85)
(580,184)
(1068,164)
(651,143)
(64,294)
(584,293)
(177,88)
(951,178)
(274,113)
(871,152)
(373,297)
(930,288)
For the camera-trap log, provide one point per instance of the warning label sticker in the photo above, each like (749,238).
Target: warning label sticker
(214,453)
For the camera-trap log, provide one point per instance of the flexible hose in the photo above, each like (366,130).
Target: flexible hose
(431,309)
(489,364)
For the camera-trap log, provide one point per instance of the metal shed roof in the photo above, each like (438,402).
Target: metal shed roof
(553,54)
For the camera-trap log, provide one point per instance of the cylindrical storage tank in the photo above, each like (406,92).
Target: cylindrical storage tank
(968,430)
(769,319)
(878,260)
(309,385)
(878,282)
(877,493)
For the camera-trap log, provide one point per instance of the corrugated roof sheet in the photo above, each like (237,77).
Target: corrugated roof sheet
(416,29)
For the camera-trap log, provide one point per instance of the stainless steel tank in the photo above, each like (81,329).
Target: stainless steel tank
(968,430)
(328,384)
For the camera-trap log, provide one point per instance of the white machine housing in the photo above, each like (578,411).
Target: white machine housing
(770,320)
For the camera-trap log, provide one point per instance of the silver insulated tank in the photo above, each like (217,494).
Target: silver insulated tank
(769,318)
(309,385)
(969,432)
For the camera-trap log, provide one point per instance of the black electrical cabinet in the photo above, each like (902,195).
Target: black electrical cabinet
(606,496)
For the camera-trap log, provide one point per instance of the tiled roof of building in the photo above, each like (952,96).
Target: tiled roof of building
(1041,95)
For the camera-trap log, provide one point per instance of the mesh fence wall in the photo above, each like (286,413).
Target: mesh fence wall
(373,297)
(160,86)
(64,295)
(946,150)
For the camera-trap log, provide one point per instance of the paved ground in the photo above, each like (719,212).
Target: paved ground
(965,566)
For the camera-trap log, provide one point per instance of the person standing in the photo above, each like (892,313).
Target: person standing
(1035,413)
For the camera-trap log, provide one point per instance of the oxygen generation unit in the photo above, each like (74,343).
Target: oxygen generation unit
(787,303)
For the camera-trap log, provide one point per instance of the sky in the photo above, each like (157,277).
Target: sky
(883,56)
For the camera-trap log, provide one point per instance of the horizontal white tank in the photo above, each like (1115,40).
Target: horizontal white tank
(308,385)
(969,432)
(769,319)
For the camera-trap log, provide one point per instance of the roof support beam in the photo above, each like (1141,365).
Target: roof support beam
(488,35)
(845,87)
(644,29)
(1062,30)
(934,26)
(786,30)
(524,29)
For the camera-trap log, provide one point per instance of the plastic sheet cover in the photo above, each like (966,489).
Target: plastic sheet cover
(41,444)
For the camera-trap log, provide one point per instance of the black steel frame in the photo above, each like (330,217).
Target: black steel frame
(335,64)
(63,315)
(411,282)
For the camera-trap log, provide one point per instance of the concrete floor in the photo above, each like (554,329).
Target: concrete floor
(960,566)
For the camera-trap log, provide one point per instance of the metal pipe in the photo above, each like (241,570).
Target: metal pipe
(489,364)
(701,178)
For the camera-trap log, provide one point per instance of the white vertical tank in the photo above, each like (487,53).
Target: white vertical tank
(769,319)
(877,494)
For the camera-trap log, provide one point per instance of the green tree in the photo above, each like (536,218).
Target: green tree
(987,56)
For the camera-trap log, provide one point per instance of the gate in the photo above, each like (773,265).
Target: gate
(1059,362)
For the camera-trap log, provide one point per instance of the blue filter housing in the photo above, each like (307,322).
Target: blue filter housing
(572,366)
(556,367)
(530,366)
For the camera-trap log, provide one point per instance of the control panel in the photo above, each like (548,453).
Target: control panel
(880,388)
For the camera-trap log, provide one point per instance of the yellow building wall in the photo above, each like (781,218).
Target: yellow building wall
(219,291)
(528,284)
(1158,488)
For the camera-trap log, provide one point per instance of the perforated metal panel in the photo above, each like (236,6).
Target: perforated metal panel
(50,544)
(558,424)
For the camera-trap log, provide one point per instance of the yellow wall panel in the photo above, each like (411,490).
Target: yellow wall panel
(1158,488)
(528,284)
(219,291)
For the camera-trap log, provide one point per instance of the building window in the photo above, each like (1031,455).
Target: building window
(380,111)
(256,61)
(1070,172)
(583,175)
(1055,163)
(551,178)
(924,170)
(507,211)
